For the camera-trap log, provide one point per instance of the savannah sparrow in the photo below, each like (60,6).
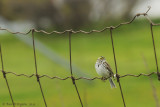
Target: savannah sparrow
(103,69)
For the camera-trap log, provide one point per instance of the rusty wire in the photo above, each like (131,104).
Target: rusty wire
(111,28)
(88,32)
(38,80)
(4,75)
(117,76)
(73,80)
(78,78)
(155,54)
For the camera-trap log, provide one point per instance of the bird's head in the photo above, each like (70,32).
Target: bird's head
(101,58)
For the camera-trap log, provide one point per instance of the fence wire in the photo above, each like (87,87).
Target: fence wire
(38,80)
(4,75)
(70,32)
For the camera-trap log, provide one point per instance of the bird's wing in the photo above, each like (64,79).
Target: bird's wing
(107,66)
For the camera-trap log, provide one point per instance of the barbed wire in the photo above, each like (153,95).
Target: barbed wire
(70,32)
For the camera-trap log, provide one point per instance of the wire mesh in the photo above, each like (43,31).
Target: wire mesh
(70,32)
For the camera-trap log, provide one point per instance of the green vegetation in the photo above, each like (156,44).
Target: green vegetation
(132,42)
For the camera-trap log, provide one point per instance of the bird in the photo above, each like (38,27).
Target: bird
(103,69)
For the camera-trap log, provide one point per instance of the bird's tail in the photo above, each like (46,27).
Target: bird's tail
(112,83)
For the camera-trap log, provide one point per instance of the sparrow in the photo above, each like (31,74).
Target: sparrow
(103,69)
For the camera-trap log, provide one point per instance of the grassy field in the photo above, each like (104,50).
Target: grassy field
(131,43)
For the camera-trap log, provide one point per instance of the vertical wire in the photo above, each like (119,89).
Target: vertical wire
(38,80)
(73,79)
(4,75)
(118,80)
(154,47)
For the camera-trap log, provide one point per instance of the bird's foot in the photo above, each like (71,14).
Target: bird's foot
(103,78)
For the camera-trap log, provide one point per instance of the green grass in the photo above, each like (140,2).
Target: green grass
(131,43)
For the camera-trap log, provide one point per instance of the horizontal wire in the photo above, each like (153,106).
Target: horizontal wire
(141,74)
(89,32)
(79,78)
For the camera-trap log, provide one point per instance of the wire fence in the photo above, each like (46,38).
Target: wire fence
(70,32)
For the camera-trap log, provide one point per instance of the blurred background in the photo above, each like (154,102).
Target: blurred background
(132,43)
